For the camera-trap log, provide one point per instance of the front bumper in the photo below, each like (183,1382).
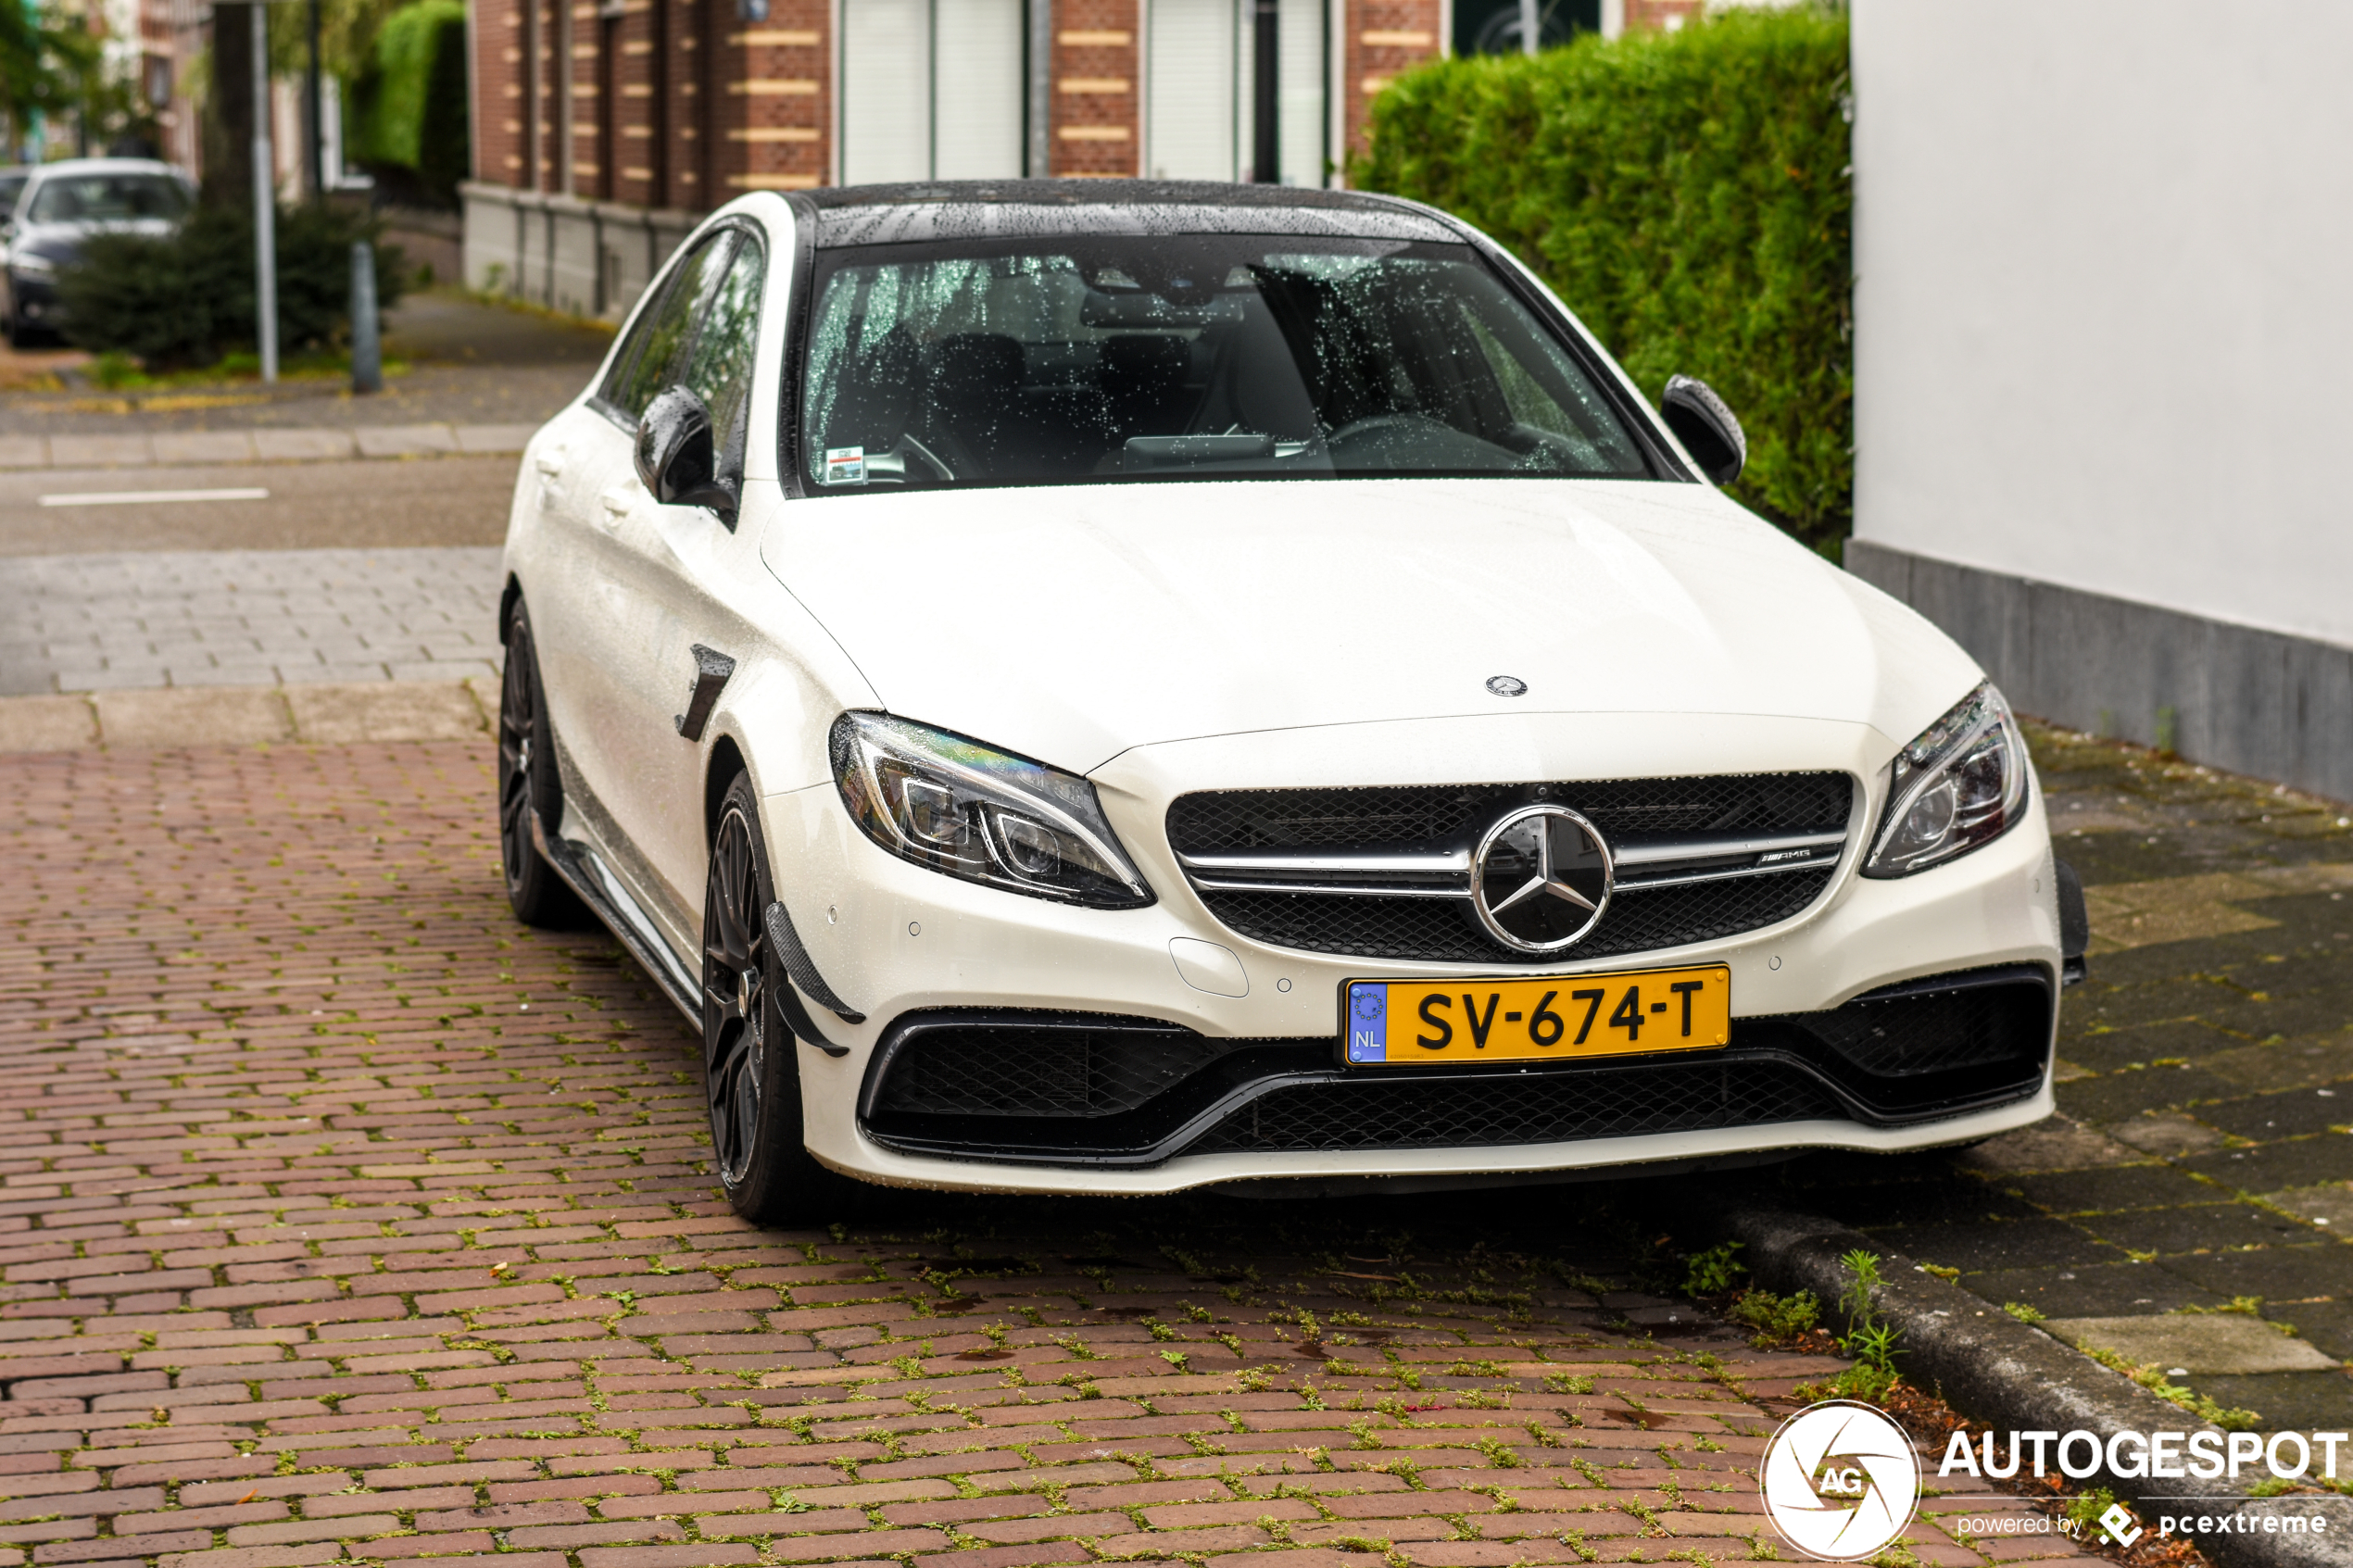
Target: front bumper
(34,299)
(921,955)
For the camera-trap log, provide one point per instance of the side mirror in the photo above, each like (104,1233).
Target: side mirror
(677,461)
(1706,427)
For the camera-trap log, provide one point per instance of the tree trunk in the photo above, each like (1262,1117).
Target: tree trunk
(228,111)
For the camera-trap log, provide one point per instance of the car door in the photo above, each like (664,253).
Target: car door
(567,460)
(687,565)
(605,628)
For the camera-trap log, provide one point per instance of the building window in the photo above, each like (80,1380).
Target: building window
(1198,71)
(932,90)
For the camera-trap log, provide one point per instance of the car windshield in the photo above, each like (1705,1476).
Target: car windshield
(1111,358)
(107,198)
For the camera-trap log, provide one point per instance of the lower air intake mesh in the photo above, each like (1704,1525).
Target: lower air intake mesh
(1411,1112)
(1919,1032)
(1000,1072)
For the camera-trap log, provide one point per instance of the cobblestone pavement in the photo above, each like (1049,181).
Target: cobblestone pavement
(343,1219)
(2202,1161)
(91,623)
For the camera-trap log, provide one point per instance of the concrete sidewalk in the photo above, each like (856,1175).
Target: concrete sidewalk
(247,617)
(133,447)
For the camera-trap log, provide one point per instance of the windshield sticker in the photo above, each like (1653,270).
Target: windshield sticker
(844,465)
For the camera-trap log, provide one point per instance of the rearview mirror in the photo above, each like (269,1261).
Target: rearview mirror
(677,461)
(1706,428)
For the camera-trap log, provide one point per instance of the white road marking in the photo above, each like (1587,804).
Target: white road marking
(143,498)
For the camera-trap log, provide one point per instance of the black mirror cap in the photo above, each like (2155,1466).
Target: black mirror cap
(678,459)
(1706,427)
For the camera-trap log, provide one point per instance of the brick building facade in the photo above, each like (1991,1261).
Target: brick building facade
(603,126)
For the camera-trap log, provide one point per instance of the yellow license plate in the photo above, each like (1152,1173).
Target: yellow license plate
(1564,1017)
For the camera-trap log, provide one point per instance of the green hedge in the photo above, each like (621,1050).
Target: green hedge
(186,298)
(1687,194)
(409,103)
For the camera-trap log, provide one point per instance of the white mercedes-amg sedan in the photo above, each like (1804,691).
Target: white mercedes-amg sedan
(1102,687)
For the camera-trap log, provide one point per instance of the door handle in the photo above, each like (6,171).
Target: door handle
(617,503)
(552,462)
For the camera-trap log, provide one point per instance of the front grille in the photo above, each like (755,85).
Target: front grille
(1386,872)
(1444,928)
(1520,1109)
(1317,819)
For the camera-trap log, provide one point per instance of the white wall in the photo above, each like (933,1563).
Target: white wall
(2105,297)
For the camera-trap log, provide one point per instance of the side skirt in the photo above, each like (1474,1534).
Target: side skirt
(584,872)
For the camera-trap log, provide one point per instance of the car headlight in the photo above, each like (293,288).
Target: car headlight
(1961,783)
(32,266)
(973,811)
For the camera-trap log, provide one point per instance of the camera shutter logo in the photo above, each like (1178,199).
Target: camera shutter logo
(1841,1481)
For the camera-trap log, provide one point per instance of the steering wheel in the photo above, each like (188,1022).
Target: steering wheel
(1372,427)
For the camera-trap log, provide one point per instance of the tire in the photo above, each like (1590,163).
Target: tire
(752,1063)
(528,786)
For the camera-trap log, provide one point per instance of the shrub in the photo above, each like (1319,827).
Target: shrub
(408,125)
(185,298)
(1689,194)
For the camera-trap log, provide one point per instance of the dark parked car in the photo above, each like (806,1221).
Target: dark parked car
(57,210)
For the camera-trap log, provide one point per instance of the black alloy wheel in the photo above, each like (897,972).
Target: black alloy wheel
(528,787)
(752,1068)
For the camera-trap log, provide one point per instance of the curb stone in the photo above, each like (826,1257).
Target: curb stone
(2002,1373)
(173,717)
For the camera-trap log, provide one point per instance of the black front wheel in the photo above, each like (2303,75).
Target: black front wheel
(752,1068)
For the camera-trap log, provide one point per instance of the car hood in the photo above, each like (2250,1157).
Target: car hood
(1071,623)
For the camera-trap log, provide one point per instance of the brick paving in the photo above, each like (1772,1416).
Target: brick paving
(185,618)
(342,1219)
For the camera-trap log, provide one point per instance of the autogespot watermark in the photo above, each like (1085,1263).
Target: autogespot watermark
(1841,1481)
(2156,1456)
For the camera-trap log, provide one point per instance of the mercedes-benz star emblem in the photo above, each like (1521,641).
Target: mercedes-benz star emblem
(1542,878)
(1507,685)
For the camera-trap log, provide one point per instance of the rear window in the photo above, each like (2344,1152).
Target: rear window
(1108,359)
(99,198)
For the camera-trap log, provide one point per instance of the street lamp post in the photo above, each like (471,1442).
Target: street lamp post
(1266,95)
(265,206)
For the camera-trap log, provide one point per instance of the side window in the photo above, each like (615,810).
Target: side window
(719,371)
(651,360)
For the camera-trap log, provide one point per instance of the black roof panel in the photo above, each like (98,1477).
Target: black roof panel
(952,210)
